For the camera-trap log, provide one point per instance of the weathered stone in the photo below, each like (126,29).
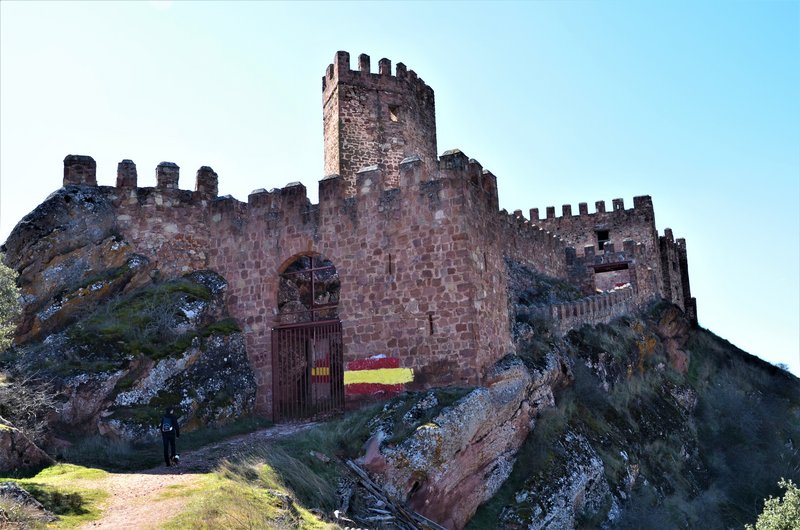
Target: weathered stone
(578,489)
(451,465)
(17,451)
(118,387)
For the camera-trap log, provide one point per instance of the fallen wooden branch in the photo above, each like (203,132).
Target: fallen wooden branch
(409,517)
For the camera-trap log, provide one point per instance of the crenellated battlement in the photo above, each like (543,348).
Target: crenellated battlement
(592,310)
(641,204)
(81,170)
(339,71)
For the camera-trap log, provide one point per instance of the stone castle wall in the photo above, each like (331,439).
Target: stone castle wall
(418,241)
(629,236)
(675,273)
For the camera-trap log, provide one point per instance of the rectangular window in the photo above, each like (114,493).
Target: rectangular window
(602,238)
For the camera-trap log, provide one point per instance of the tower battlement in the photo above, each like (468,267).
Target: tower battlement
(641,204)
(339,71)
(375,119)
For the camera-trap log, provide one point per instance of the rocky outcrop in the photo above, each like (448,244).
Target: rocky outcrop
(576,489)
(18,508)
(70,257)
(17,451)
(165,344)
(673,329)
(459,459)
(624,445)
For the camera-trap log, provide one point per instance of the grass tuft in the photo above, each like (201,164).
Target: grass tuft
(55,488)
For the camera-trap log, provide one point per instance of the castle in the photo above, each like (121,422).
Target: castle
(397,278)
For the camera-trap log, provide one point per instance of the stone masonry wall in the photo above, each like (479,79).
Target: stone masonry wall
(635,226)
(420,263)
(375,119)
(410,281)
(592,310)
(675,273)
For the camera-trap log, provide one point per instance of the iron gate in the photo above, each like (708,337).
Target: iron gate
(307,370)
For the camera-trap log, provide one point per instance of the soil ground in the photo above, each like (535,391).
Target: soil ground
(142,500)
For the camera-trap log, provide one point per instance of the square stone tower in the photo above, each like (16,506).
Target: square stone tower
(375,119)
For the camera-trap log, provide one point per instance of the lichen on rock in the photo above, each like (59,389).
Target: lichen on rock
(467,450)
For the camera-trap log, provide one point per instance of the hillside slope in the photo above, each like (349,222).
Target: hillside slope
(663,426)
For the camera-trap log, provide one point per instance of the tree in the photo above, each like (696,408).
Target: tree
(9,304)
(780,514)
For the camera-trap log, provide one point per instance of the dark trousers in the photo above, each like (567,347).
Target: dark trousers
(169,446)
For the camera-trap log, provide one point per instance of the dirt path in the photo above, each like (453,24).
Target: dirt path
(143,500)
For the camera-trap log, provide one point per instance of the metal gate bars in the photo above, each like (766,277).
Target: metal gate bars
(307,370)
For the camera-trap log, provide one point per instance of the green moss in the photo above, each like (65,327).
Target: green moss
(67,472)
(222,327)
(141,322)
(106,276)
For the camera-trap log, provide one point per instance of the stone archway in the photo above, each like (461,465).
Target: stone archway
(307,352)
(308,291)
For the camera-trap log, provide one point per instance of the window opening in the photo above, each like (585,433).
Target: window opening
(308,291)
(430,323)
(394,113)
(602,238)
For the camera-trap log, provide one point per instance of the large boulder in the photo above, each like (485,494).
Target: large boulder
(458,460)
(168,343)
(70,257)
(575,489)
(17,451)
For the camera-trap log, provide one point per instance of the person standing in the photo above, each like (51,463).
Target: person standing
(169,432)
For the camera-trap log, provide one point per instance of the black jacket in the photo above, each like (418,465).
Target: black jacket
(176,430)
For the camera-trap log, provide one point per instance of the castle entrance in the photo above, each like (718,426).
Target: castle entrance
(307,353)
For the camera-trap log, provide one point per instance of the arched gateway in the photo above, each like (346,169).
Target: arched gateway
(307,354)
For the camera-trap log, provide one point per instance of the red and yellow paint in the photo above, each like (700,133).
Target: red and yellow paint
(379,375)
(321,372)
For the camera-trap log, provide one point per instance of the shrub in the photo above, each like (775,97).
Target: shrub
(780,514)
(26,402)
(148,321)
(9,303)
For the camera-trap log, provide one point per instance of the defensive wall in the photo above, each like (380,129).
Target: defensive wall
(591,310)
(421,264)
(418,241)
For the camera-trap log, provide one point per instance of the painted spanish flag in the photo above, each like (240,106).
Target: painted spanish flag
(321,372)
(376,376)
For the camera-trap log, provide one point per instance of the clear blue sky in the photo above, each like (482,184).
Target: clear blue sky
(694,103)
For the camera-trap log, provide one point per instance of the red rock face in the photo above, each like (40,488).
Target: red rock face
(451,465)
(674,332)
(17,451)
